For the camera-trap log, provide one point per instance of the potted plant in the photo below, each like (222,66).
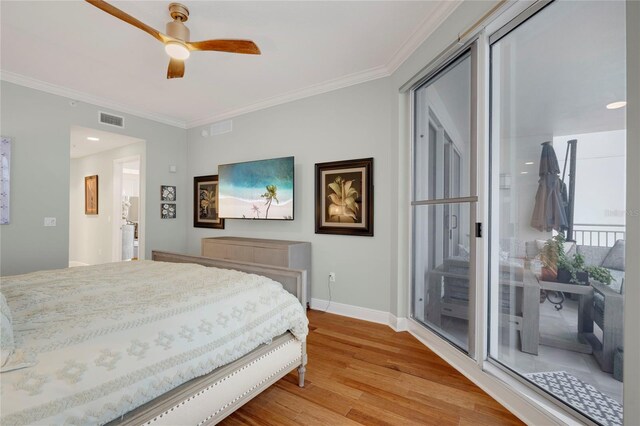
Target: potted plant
(550,256)
(573,270)
(557,266)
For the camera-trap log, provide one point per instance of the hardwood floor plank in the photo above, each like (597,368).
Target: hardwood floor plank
(361,373)
(412,410)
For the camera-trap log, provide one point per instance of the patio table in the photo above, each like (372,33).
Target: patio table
(585,315)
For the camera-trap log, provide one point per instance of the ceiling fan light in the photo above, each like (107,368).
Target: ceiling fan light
(177,50)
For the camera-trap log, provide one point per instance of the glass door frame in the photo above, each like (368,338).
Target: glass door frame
(492,34)
(491,376)
(468,49)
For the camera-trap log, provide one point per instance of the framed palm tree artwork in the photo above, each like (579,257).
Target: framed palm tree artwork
(205,202)
(344,197)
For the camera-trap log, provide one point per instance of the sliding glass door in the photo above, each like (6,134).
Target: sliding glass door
(443,200)
(558,138)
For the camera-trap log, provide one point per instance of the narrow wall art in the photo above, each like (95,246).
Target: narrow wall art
(206,213)
(91,195)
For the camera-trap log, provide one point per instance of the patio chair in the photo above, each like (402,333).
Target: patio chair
(607,302)
(608,314)
(448,295)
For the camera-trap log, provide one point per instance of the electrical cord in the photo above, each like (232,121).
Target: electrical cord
(328,304)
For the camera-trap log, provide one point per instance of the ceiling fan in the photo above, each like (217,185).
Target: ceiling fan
(176,40)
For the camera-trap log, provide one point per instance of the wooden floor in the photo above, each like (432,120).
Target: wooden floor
(360,373)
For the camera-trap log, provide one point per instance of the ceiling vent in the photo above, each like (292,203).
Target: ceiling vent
(111,120)
(222,127)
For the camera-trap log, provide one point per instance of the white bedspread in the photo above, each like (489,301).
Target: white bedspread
(108,338)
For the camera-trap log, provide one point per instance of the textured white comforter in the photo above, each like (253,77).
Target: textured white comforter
(105,339)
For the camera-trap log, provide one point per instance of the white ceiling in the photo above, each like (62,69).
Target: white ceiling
(307,47)
(81,146)
(561,68)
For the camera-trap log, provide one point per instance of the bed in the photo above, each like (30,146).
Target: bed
(177,340)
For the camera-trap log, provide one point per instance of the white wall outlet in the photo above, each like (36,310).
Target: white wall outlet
(332,277)
(49,221)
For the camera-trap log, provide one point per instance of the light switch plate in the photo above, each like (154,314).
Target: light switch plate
(49,221)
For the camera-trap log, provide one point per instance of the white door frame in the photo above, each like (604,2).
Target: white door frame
(116,222)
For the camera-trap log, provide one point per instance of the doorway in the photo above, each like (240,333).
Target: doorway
(126,192)
(91,233)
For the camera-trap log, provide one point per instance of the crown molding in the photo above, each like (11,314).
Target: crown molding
(315,89)
(43,86)
(419,36)
(427,27)
(424,30)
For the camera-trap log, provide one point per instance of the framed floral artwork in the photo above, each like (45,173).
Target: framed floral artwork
(91,195)
(206,213)
(168,211)
(344,197)
(167,193)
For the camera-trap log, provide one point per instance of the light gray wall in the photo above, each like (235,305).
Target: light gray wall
(358,121)
(350,123)
(40,124)
(90,236)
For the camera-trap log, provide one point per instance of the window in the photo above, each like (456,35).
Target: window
(558,202)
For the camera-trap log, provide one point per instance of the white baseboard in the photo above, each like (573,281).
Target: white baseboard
(352,311)
(357,312)
(398,324)
(74,263)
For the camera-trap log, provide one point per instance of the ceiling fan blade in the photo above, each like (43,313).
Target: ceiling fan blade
(232,46)
(176,69)
(114,11)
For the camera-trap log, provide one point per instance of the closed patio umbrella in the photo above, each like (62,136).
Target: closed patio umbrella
(549,211)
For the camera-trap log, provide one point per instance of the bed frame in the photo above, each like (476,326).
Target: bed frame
(210,398)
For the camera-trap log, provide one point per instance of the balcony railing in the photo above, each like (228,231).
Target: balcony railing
(593,234)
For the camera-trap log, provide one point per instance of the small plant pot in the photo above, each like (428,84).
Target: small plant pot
(583,277)
(547,274)
(564,276)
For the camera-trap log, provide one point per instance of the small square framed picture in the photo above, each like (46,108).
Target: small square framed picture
(167,193)
(168,211)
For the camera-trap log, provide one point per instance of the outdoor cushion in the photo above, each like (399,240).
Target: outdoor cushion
(615,258)
(593,255)
(598,302)
(619,280)
(531,249)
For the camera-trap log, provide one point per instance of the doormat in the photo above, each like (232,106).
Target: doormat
(580,395)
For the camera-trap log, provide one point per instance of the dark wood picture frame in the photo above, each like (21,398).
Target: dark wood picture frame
(201,220)
(344,197)
(168,193)
(91,195)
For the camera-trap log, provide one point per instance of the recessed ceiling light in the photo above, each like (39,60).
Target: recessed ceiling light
(524,173)
(528,163)
(92,138)
(616,105)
